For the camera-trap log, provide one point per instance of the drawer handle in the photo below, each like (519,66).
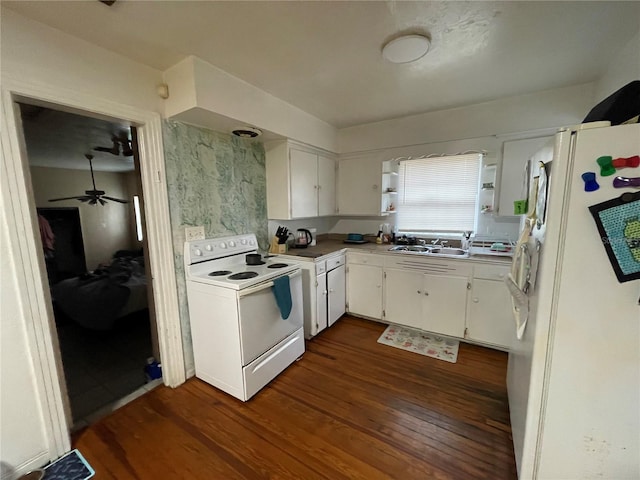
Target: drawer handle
(475,300)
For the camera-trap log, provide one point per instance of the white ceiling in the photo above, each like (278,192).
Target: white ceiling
(60,140)
(324,56)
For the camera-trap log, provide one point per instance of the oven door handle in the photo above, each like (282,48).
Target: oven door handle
(263,286)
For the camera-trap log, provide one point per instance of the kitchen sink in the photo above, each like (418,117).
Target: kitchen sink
(447,251)
(410,248)
(431,250)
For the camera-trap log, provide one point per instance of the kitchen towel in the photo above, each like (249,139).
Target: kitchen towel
(282,292)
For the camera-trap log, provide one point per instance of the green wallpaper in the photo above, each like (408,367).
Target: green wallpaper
(215,180)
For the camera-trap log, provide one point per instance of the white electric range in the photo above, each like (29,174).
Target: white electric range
(240,339)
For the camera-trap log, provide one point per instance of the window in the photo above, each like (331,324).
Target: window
(136,209)
(438,194)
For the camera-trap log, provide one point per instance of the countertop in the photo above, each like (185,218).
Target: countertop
(328,246)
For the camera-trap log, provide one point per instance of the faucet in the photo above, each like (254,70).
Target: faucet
(466,240)
(435,242)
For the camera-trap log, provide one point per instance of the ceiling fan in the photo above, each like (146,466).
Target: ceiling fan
(92,197)
(118,140)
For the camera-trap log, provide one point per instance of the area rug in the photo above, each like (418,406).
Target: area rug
(71,466)
(428,344)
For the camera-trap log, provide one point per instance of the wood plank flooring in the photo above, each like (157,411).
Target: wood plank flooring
(351,408)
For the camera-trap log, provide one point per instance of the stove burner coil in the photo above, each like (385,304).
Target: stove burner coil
(278,265)
(219,273)
(243,275)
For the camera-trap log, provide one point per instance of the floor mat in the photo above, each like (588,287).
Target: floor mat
(71,466)
(428,344)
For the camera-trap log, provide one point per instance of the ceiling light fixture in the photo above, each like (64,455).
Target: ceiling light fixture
(247,132)
(405,49)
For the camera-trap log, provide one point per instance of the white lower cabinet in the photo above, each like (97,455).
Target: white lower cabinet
(404,292)
(460,298)
(336,295)
(321,304)
(364,287)
(444,305)
(489,317)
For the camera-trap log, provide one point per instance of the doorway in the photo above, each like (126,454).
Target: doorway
(86,186)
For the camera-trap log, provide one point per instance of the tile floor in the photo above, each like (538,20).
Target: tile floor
(103,367)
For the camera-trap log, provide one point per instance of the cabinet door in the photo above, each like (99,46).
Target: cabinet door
(444,305)
(326,186)
(337,299)
(364,289)
(403,297)
(359,186)
(321,302)
(515,155)
(489,318)
(304,183)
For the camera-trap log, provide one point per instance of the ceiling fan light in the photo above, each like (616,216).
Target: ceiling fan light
(406,49)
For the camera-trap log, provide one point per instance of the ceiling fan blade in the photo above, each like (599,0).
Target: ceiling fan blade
(65,198)
(93,201)
(102,202)
(115,150)
(115,199)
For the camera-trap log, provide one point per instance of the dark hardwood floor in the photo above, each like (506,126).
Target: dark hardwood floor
(351,408)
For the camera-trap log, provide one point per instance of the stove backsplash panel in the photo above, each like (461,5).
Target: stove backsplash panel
(215,180)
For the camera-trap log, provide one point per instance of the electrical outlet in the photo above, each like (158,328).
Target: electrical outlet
(194,233)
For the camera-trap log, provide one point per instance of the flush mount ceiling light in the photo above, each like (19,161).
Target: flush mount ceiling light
(405,49)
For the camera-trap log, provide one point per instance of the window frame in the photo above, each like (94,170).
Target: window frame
(449,232)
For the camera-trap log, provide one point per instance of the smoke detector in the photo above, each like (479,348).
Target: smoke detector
(246,132)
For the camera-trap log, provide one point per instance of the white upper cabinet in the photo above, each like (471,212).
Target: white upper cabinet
(515,154)
(327,186)
(359,186)
(301,182)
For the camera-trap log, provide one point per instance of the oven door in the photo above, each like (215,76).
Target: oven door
(261,325)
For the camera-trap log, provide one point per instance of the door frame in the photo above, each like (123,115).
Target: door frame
(34,297)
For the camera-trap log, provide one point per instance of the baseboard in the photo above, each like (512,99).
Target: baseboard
(9,473)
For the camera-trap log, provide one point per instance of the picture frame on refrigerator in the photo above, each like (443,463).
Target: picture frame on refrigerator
(618,222)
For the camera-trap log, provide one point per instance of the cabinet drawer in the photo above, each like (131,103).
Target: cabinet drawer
(490,272)
(321,267)
(365,259)
(335,262)
(429,265)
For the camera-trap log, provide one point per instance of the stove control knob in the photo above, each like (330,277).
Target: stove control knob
(232,243)
(209,247)
(243,241)
(197,252)
(251,242)
(223,245)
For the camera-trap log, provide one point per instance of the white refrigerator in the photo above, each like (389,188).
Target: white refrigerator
(574,375)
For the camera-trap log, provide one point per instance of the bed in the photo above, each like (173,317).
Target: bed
(97,299)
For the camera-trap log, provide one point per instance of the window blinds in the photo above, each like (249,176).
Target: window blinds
(438,194)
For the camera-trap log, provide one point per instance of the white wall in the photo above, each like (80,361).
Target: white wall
(37,54)
(23,442)
(34,52)
(551,108)
(105,228)
(483,126)
(197,87)
(623,68)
